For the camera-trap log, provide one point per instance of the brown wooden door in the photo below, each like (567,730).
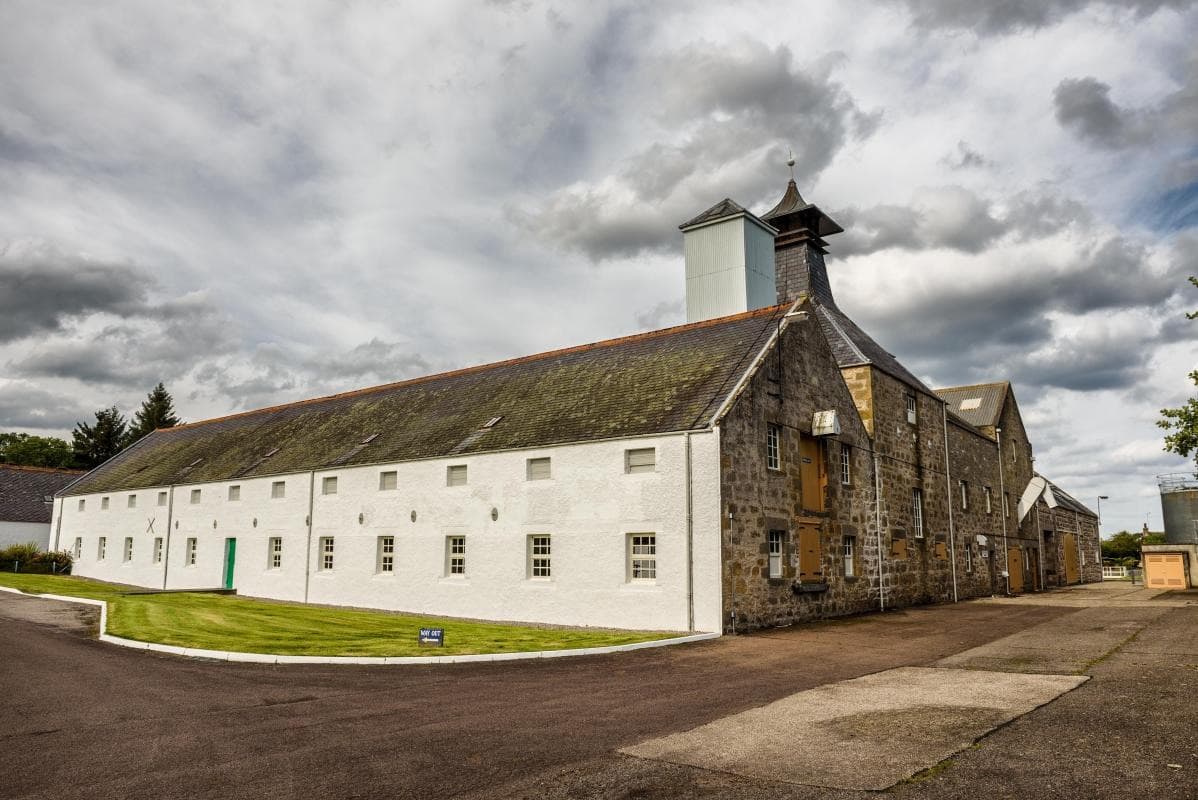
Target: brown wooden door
(1015,569)
(811,474)
(810,569)
(1069,541)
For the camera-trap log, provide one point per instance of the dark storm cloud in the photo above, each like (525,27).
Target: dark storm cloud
(734,113)
(955,218)
(1015,15)
(41,289)
(23,405)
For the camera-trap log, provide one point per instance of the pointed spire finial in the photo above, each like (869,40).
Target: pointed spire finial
(790,162)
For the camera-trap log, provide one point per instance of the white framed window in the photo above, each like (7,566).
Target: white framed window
(162,498)
(968,557)
(388,481)
(102,548)
(773,446)
(326,553)
(128,549)
(278,490)
(82,504)
(234,493)
(328,484)
(986,495)
(77,550)
(103,503)
(640,459)
(1006,504)
(192,548)
(195,496)
(642,557)
(917,513)
(540,556)
(131,501)
(846,464)
(455,475)
(385,556)
(539,469)
(455,555)
(274,552)
(776,543)
(850,556)
(157,549)
(964,495)
(911,408)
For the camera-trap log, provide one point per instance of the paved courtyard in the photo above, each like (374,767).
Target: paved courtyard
(872,700)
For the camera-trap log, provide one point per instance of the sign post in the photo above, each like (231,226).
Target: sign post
(432,637)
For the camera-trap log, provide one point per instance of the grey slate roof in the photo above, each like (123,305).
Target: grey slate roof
(852,346)
(725,208)
(1066,500)
(669,380)
(23,491)
(990,397)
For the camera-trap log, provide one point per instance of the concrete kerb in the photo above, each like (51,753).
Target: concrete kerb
(269,658)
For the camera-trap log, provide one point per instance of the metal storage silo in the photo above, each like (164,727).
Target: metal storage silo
(1179,506)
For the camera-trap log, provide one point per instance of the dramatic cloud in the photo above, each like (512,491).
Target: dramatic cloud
(24,405)
(1015,15)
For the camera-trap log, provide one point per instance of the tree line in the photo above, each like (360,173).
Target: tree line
(91,443)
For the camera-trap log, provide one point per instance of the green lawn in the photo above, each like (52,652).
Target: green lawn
(226,622)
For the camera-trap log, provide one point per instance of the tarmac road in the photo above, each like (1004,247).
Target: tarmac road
(83,719)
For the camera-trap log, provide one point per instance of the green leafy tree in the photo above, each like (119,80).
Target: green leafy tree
(1182,423)
(157,411)
(94,444)
(1125,545)
(27,450)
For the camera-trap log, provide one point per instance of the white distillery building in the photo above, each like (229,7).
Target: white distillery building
(765,463)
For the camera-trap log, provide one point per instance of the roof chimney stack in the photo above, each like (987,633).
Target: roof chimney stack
(800,247)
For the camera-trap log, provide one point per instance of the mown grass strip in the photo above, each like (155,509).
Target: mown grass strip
(239,624)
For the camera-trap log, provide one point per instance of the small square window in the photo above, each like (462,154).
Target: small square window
(540,553)
(82,503)
(274,552)
(388,481)
(192,547)
(128,549)
(776,544)
(326,553)
(162,498)
(385,556)
(641,459)
(157,549)
(102,548)
(850,556)
(773,447)
(131,501)
(539,469)
(328,485)
(642,557)
(455,475)
(195,496)
(103,503)
(455,555)
(278,490)
(234,493)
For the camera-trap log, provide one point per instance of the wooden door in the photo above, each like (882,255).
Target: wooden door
(1069,541)
(1015,569)
(810,566)
(811,473)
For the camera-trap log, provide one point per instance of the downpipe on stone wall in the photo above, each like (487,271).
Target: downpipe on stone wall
(690,538)
(948,483)
(878,529)
(731,572)
(308,557)
(1002,490)
(166,554)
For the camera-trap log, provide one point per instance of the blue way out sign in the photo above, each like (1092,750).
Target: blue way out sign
(434,637)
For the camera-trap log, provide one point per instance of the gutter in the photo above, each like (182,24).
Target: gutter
(948,481)
(308,556)
(166,550)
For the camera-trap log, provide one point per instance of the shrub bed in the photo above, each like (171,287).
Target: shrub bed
(28,558)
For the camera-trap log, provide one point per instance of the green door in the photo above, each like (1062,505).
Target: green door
(230,560)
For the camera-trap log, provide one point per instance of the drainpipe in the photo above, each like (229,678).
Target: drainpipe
(690,538)
(308,556)
(166,550)
(878,529)
(948,482)
(1002,491)
(58,527)
(731,572)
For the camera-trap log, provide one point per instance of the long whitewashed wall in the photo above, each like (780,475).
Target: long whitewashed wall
(589,507)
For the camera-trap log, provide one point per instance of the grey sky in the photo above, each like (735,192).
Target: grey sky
(257,205)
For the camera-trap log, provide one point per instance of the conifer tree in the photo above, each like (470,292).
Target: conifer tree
(95,444)
(157,411)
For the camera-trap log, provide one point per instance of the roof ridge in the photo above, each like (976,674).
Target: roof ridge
(604,343)
(55,470)
(971,386)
